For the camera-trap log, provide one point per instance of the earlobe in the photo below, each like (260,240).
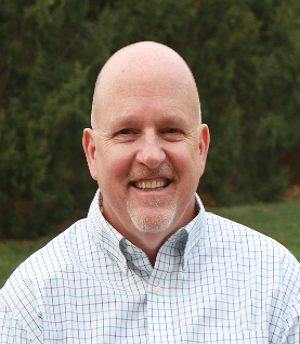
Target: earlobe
(89,147)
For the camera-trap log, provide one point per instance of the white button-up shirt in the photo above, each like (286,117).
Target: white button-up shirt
(214,281)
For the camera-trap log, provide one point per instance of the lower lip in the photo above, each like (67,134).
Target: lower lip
(149,189)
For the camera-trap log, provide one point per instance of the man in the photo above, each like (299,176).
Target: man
(149,265)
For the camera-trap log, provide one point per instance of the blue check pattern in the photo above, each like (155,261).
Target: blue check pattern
(214,281)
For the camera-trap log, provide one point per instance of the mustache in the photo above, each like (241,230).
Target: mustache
(165,170)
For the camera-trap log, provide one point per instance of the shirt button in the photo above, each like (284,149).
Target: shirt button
(185,260)
(123,265)
(130,249)
(157,290)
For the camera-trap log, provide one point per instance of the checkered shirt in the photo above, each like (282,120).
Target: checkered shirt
(214,281)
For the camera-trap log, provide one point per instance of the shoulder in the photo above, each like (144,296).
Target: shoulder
(47,264)
(234,235)
(71,250)
(48,275)
(257,260)
(22,298)
(251,252)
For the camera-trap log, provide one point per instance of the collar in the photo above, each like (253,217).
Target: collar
(118,247)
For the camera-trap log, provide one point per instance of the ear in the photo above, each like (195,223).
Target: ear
(203,145)
(89,147)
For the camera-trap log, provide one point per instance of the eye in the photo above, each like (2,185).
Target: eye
(125,131)
(172,134)
(172,131)
(126,135)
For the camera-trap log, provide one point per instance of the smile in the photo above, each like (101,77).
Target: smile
(151,185)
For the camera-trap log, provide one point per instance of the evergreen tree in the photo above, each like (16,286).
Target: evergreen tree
(246,59)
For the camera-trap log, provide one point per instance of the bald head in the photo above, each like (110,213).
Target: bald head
(143,64)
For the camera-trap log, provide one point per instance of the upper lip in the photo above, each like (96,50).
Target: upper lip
(162,173)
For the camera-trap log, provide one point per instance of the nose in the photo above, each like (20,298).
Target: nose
(150,154)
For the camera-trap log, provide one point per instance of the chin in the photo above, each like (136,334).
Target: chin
(152,223)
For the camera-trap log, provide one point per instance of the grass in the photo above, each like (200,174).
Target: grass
(280,221)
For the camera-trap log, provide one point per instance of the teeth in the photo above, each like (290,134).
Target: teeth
(151,185)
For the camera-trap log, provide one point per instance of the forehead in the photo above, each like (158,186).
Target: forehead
(128,96)
(142,106)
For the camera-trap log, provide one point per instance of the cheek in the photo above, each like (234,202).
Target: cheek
(186,157)
(115,163)
(189,167)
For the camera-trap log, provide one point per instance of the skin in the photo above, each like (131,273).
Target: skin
(146,129)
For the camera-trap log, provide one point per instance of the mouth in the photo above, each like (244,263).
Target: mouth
(151,185)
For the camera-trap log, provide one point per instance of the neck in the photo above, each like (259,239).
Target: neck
(150,243)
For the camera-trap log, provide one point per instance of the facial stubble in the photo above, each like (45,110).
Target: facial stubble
(152,223)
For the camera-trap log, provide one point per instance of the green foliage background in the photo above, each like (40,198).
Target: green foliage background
(245,56)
